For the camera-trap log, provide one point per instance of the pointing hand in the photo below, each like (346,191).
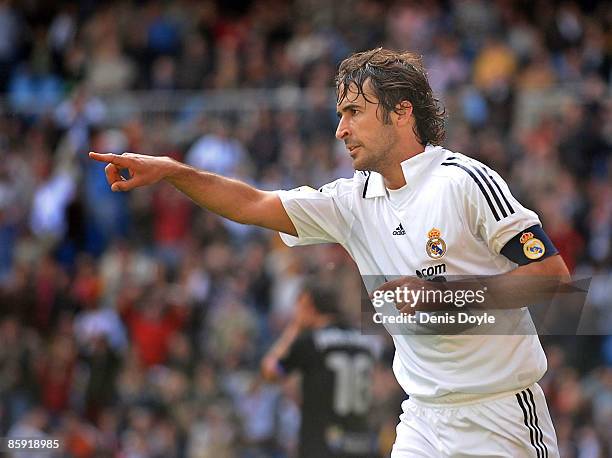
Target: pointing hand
(143,170)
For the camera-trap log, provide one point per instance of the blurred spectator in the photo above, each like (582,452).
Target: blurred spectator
(258,409)
(10,40)
(172,218)
(152,323)
(78,115)
(56,375)
(32,425)
(78,438)
(195,63)
(94,323)
(447,68)
(108,70)
(53,193)
(217,152)
(212,435)
(103,363)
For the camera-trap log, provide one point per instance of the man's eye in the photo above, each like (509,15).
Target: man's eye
(353,111)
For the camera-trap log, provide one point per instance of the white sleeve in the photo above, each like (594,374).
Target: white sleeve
(493,213)
(318,216)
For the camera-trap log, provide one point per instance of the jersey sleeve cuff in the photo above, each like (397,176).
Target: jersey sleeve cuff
(288,239)
(286,198)
(504,235)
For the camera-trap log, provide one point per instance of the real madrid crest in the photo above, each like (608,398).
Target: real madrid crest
(436,246)
(532,248)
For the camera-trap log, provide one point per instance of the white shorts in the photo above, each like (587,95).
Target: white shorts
(512,425)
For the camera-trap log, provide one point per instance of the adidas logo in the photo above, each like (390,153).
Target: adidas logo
(399,230)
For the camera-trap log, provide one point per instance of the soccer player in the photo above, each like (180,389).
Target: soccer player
(336,363)
(411,205)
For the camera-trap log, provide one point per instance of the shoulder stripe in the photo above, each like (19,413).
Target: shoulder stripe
(497,193)
(501,192)
(482,189)
(493,193)
(365,186)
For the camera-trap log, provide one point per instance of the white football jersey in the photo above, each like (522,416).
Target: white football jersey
(453,217)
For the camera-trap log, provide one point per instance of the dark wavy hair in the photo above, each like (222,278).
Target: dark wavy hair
(324,294)
(395,77)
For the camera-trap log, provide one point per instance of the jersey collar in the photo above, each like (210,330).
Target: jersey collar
(420,165)
(414,169)
(375,186)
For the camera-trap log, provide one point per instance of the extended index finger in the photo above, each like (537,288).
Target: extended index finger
(109,158)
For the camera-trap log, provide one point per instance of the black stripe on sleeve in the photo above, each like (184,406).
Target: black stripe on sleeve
(493,193)
(482,189)
(489,179)
(500,191)
(527,422)
(365,187)
(535,415)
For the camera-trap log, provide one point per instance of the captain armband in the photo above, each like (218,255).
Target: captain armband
(530,245)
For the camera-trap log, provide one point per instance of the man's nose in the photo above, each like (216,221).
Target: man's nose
(342,129)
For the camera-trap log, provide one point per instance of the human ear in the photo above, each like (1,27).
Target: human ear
(403,112)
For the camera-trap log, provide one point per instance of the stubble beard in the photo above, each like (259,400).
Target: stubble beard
(377,160)
(374,162)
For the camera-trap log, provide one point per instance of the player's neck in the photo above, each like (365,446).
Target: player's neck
(321,321)
(394,179)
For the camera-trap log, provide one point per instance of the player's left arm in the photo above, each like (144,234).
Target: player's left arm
(531,283)
(553,267)
(509,230)
(515,232)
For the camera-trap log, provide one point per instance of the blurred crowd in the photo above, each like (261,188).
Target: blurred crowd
(132,325)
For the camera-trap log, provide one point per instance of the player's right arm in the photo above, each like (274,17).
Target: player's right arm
(226,197)
(289,351)
(270,364)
